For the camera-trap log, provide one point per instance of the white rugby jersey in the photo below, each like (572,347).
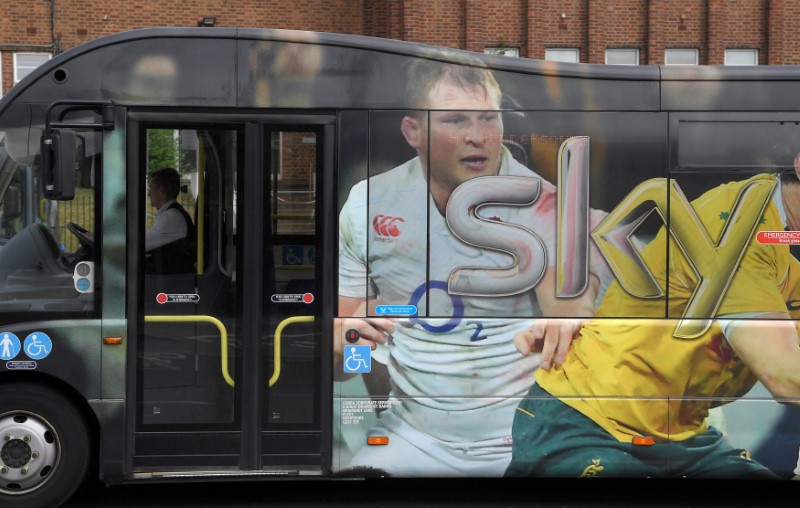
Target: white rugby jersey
(455,368)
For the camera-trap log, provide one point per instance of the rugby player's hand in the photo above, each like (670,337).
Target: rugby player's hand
(550,337)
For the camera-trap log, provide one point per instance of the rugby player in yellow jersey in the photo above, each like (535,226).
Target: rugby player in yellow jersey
(629,381)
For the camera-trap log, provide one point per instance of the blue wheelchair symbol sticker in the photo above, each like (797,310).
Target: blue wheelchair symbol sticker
(292,255)
(357,359)
(9,345)
(37,345)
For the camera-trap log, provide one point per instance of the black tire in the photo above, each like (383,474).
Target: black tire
(40,430)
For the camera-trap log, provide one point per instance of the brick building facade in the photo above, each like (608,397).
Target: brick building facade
(762,29)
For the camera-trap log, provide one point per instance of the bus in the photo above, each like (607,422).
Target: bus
(309,172)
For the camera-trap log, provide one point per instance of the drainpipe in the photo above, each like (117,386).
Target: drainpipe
(56,44)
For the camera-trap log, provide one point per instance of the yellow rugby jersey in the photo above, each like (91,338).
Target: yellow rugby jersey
(633,364)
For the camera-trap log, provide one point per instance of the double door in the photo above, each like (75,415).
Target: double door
(229,349)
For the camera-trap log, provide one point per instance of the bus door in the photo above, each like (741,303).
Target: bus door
(229,371)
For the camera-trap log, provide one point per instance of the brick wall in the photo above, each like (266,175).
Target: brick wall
(783,37)
(548,29)
(737,24)
(490,26)
(592,26)
(438,22)
(26,25)
(617,24)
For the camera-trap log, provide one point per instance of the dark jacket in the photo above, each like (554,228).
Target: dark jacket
(179,256)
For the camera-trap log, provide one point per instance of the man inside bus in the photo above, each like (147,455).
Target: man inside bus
(170,244)
(632,366)
(454,381)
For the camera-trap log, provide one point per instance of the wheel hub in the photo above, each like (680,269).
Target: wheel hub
(15,453)
(28,452)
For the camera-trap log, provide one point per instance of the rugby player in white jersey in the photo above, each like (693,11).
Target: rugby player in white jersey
(455,375)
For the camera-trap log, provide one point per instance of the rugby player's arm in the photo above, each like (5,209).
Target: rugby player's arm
(371,331)
(770,347)
(563,317)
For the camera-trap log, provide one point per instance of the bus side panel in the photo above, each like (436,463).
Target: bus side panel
(456,376)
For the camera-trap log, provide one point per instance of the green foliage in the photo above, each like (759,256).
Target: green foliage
(164,150)
(161,149)
(501,47)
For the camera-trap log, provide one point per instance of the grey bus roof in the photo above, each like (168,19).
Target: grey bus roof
(642,88)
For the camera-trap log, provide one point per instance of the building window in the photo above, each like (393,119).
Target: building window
(681,57)
(741,57)
(503,51)
(622,56)
(563,55)
(25,63)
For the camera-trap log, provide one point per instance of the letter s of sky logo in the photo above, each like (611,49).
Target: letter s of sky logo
(386,225)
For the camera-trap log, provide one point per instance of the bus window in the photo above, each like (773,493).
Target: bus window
(47,253)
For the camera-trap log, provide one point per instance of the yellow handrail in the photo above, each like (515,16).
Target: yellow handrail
(276,371)
(202,319)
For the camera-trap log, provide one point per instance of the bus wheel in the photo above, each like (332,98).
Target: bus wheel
(44,446)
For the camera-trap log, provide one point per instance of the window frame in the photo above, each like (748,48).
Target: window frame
(17,77)
(511,52)
(741,51)
(619,51)
(675,51)
(549,52)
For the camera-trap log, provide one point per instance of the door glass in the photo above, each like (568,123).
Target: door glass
(188,352)
(291,357)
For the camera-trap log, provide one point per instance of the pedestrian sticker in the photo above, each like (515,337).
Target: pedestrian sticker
(357,359)
(38,345)
(9,345)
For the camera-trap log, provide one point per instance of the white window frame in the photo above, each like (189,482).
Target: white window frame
(623,51)
(17,77)
(562,55)
(510,52)
(684,52)
(732,55)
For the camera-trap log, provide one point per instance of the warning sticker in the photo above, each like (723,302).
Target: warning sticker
(779,237)
(21,365)
(177,298)
(292,298)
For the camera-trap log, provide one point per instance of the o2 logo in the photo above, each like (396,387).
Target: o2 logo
(458,311)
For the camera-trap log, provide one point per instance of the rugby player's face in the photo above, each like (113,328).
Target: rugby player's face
(466,134)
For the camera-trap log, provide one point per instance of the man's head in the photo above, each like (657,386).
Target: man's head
(458,133)
(165,184)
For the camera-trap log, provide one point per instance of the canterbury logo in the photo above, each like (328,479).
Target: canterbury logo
(386,225)
(593,469)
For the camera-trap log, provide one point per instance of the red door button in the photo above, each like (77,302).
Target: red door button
(352,336)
